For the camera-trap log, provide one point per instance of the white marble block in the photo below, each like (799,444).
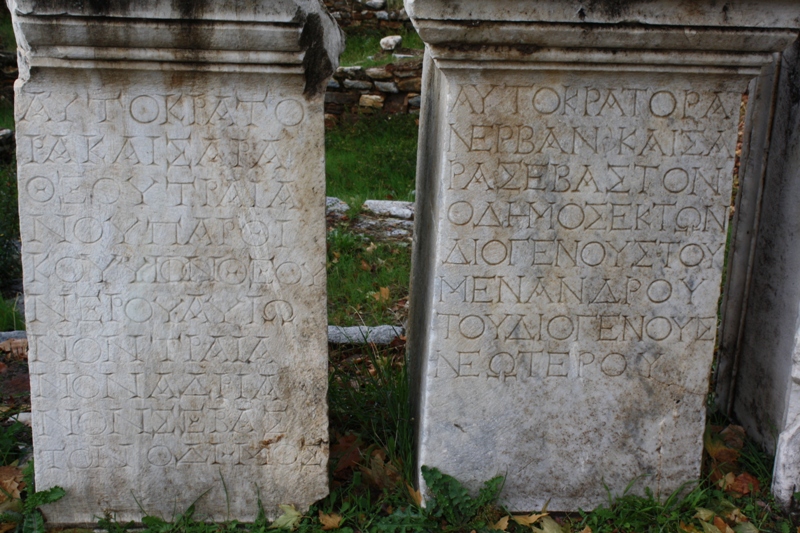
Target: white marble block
(574,184)
(758,378)
(172,203)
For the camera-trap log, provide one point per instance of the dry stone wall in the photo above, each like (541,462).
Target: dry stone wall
(393,88)
(371,14)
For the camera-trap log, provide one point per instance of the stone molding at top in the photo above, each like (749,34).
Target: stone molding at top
(703,34)
(287,36)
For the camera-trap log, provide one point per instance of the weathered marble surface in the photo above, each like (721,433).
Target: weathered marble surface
(759,377)
(572,208)
(172,216)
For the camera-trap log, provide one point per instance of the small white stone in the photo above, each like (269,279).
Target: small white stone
(359,85)
(382,15)
(24,418)
(390,208)
(392,42)
(371,100)
(375,4)
(334,205)
(386,86)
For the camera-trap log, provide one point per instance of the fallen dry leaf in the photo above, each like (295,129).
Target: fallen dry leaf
(527,520)
(727,481)
(330,521)
(709,528)
(587,529)
(365,266)
(380,472)
(706,515)
(288,520)
(548,526)
(7,526)
(733,436)
(501,525)
(11,483)
(371,248)
(347,450)
(721,525)
(743,484)
(416,495)
(737,517)
(382,295)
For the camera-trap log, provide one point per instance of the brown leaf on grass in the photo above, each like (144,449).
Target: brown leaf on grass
(733,436)
(11,483)
(501,525)
(709,528)
(380,472)
(416,495)
(743,484)
(330,521)
(18,348)
(347,450)
(720,524)
(727,480)
(382,295)
(527,520)
(587,529)
(718,450)
(365,266)
(687,528)
(737,517)
(7,526)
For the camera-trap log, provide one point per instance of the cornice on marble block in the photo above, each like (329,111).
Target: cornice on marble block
(672,34)
(246,36)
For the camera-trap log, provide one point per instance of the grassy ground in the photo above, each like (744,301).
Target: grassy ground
(369,157)
(367,281)
(372,157)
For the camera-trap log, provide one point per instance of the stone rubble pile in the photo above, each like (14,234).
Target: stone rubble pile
(367,14)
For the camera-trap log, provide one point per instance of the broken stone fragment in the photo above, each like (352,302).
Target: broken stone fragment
(391,43)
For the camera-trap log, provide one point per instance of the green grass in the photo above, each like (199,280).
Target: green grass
(373,157)
(6,114)
(7,41)
(10,318)
(358,270)
(363,47)
(10,266)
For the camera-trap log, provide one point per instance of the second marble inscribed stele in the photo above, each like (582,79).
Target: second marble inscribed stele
(581,230)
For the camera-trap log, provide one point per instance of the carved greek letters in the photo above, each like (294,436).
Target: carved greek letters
(582,230)
(173,272)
